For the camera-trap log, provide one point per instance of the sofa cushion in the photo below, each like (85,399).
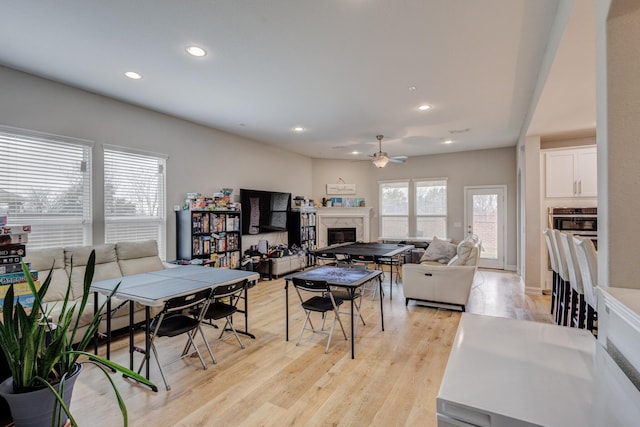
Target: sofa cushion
(439,250)
(463,252)
(42,260)
(138,257)
(106,265)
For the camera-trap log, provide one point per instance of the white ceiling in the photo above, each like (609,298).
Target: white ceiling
(341,69)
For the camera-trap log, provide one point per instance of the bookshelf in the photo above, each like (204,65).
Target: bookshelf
(212,236)
(301,228)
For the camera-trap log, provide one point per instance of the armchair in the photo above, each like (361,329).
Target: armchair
(443,285)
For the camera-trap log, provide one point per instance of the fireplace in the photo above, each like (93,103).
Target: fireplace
(341,235)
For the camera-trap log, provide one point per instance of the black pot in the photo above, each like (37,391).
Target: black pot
(36,408)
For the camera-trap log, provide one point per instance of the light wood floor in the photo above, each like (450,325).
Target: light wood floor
(393,381)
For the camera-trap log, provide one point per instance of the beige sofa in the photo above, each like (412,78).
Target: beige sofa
(439,284)
(283,265)
(112,261)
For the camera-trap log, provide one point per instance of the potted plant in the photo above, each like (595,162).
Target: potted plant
(42,356)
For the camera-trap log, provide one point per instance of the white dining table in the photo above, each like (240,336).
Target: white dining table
(154,288)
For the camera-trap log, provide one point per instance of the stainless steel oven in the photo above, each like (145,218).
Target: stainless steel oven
(582,222)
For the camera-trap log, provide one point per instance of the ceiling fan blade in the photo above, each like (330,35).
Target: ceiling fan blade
(398,159)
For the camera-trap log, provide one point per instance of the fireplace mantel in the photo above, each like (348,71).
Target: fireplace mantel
(360,218)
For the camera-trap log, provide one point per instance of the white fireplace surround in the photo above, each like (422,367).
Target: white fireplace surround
(358,218)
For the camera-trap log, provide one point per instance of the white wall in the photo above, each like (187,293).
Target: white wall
(205,160)
(483,167)
(201,159)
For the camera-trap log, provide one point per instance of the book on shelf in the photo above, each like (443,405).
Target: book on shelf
(21,292)
(7,250)
(13,238)
(13,268)
(10,259)
(15,229)
(11,278)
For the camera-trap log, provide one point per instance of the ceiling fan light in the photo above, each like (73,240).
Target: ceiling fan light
(380,161)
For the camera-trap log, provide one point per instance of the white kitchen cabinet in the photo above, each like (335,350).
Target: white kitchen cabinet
(572,173)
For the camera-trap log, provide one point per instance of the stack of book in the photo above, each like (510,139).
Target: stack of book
(13,239)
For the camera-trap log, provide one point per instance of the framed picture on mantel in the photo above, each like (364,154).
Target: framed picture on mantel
(337,189)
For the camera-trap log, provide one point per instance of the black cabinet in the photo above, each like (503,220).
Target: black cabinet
(211,236)
(301,228)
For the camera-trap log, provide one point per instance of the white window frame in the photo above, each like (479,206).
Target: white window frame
(135,227)
(414,190)
(412,215)
(39,163)
(382,216)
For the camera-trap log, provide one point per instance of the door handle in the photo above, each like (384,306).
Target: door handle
(575,185)
(580,187)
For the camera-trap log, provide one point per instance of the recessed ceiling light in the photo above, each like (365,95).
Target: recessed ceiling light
(448,141)
(424,107)
(196,51)
(133,75)
(412,88)
(355,152)
(298,129)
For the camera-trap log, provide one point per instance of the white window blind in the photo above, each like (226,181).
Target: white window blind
(394,209)
(45,181)
(431,208)
(134,196)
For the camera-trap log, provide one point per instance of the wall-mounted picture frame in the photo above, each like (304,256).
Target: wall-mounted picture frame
(338,189)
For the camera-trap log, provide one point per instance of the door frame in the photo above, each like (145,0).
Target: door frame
(502,219)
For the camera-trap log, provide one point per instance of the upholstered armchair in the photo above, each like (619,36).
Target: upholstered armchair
(439,284)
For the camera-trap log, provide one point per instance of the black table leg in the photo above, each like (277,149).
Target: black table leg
(353,344)
(108,329)
(147,340)
(381,311)
(391,279)
(246,316)
(97,335)
(286,309)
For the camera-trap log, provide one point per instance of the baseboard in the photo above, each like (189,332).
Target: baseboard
(533,290)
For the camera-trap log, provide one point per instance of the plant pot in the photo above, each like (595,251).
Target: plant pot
(35,408)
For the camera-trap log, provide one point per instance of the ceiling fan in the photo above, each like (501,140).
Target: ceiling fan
(380,159)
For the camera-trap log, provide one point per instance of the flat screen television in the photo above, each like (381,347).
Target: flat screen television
(264,211)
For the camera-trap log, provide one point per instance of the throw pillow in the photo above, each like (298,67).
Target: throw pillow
(439,250)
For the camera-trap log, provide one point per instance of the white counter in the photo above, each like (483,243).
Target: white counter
(505,372)
(619,327)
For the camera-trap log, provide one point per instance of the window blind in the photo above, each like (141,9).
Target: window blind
(394,209)
(45,181)
(134,197)
(431,208)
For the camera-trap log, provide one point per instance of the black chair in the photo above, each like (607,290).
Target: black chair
(354,294)
(171,322)
(323,258)
(322,303)
(224,301)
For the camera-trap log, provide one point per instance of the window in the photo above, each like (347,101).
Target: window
(394,209)
(134,196)
(45,182)
(431,208)
(413,208)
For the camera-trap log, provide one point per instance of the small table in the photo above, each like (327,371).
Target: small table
(154,288)
(347,278)
(377,250)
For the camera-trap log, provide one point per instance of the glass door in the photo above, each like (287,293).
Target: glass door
(485,214)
